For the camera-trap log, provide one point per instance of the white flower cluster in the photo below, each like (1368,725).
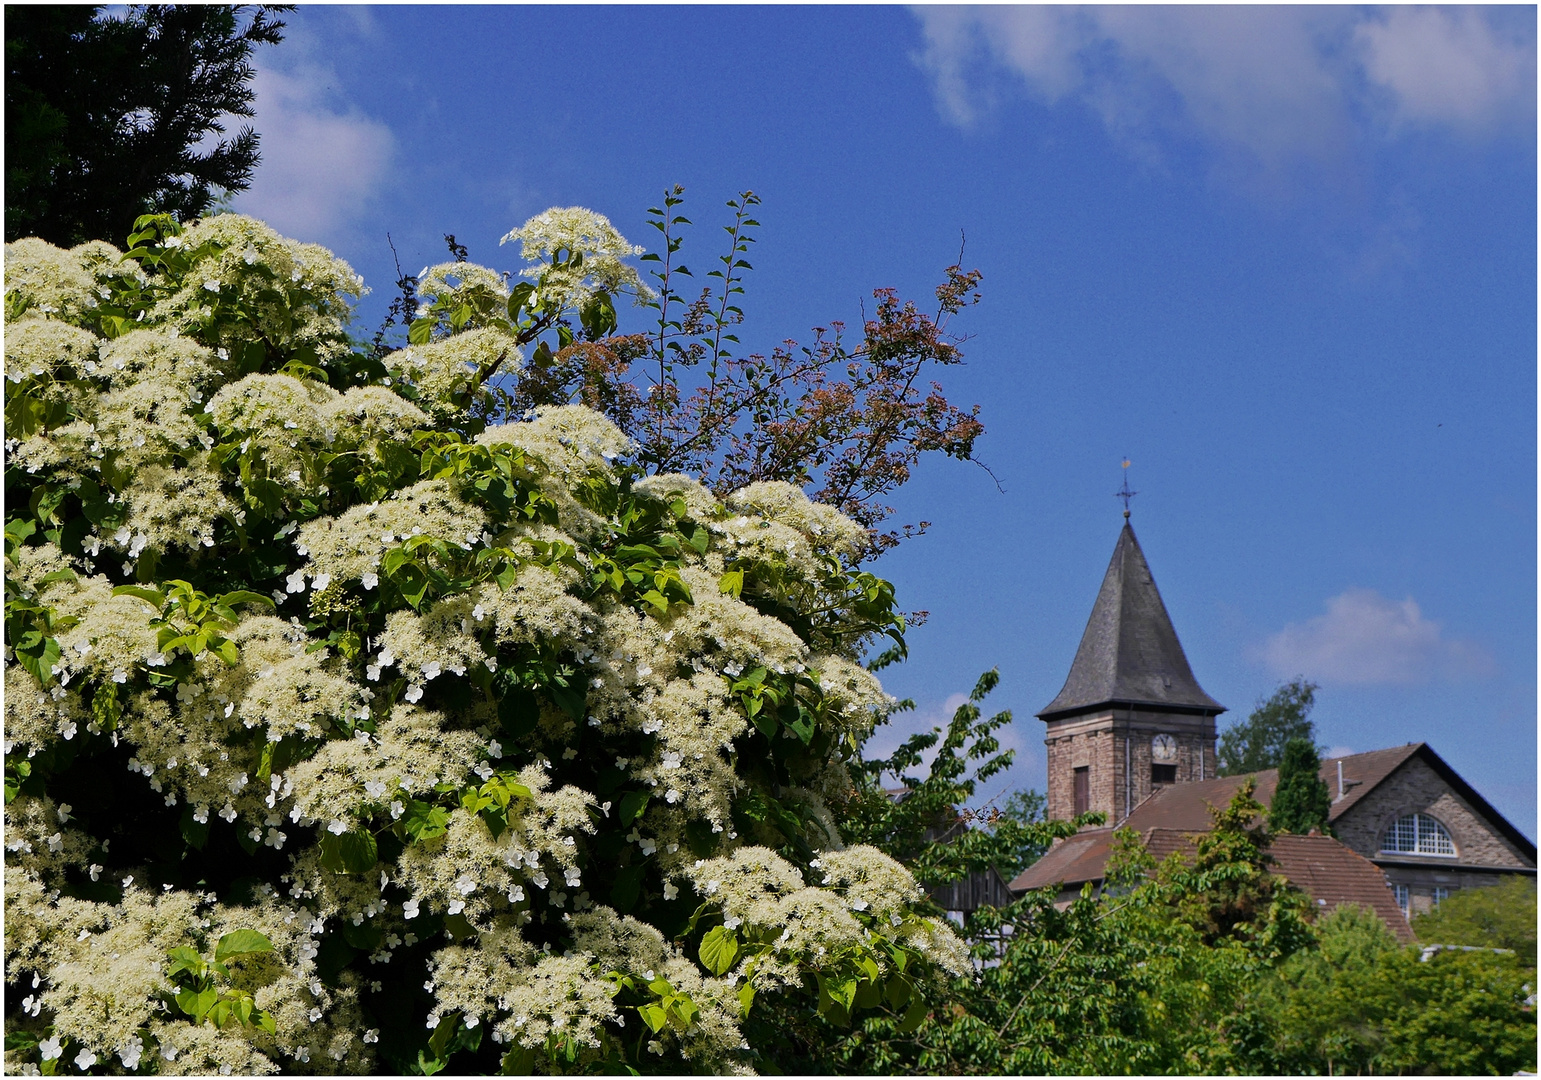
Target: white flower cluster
(569,231)
(453,719)
(447,375)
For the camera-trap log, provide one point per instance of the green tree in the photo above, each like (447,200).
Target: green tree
(1152,976)
(931,822)
(1020,808)
(1362,1003)
(1301,802)
(1258,742)
(110,116)
(1502,916)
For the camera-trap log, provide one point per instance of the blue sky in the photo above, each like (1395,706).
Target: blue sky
(1284,259)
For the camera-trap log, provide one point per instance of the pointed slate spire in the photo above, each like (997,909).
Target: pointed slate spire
(1129,654)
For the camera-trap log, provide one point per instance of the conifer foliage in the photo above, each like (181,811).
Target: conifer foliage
(1301,802)
(353,724)
(112,115)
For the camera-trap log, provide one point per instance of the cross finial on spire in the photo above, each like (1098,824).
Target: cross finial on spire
(1124,492)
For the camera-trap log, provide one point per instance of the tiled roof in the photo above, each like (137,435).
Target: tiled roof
(1368,769)
(1129,652)
(1186,806)
(1073,860)
(1321,867)
(1327,870)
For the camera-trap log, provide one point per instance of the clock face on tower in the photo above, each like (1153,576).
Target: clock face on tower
(1163,749)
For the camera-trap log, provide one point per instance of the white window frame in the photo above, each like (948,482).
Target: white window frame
(1404,897)
(1426,833)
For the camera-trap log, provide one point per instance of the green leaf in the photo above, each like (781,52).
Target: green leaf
(438,1042)
(572,701)
(194,832)
(20,1040)
(243,837)
(913,1016)
(197,1003)
(702,841)
(766,722)
(412,580)
(424,821)
(39,659)
(518,297)
(745,999)
(16,532)
(183,958)
(719,948)
(221,1011)
(354,852)
(152,597)
(245,596)
(731,583)
(241,943)
(654,1017)
(633,803)
(802,725)
(366,937)
(518,712)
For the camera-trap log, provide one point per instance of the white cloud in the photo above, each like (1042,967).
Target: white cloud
(1366,639)
(1448,66)
(1268,86)
(323,159)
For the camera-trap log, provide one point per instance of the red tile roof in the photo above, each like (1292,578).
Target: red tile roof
(1321,867)
(1073,860)
(1187,806)
(1328,870)
(1361,772)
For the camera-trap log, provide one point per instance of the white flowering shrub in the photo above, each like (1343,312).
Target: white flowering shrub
(349,731)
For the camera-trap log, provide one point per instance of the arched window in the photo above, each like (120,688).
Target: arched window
(1418,834)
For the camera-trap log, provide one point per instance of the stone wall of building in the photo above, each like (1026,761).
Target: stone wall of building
(1426,885)
(1092,749)
(1417,788)
(1106,743)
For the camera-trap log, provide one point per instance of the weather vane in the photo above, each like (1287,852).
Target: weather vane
(1124,493)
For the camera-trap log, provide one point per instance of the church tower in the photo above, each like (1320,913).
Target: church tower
(1131,716)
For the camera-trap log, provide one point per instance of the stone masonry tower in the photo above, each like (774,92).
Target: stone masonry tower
(1131,716)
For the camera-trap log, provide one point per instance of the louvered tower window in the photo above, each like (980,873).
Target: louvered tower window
(1418,834)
